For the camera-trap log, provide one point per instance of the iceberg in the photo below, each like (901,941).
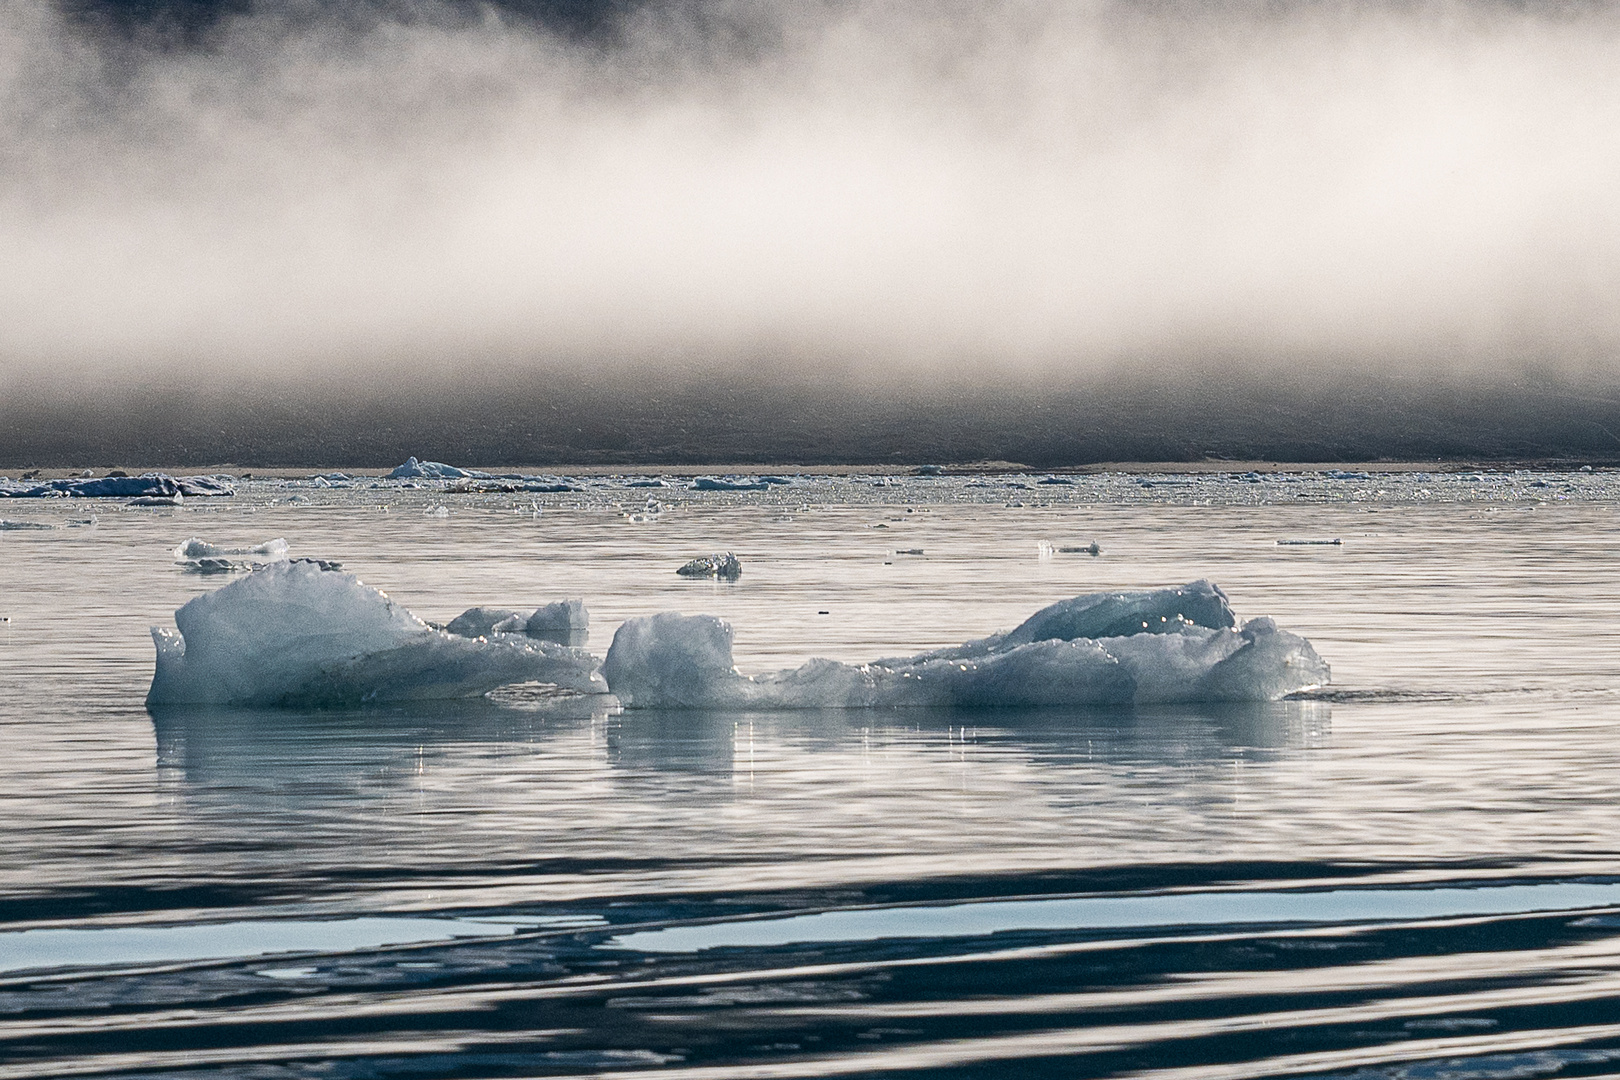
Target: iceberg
(145,486)
(1124,648)
(299,634)
(428,470)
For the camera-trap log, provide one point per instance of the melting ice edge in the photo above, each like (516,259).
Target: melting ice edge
(300,634)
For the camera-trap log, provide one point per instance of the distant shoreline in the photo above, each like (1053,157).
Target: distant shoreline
(949,469)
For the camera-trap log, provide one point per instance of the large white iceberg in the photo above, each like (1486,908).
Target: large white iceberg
(1124,648)
(293,633)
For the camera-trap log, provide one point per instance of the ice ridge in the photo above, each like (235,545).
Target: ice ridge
(297,634)
(1159,646)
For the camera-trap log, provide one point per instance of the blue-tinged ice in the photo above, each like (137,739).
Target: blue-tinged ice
(145,486)
(1158,646)
(293,633)
(565,622)
(198,556)
(710,483)
(427,470)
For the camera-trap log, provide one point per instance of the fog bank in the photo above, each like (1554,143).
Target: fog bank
(867,191)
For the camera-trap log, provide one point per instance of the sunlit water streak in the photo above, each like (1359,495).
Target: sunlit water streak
(1410,874)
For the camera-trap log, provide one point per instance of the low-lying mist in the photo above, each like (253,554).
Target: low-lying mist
(299,198)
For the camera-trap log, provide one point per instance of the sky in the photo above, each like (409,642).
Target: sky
(251,204)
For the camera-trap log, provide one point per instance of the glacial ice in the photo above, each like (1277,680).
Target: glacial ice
(565,622)
(710,483)
(198,556)
(147,485)
(428,470)
(1158,646)
(722,564)
(293,633)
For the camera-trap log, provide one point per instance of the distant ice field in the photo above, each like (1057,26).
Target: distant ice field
(1409,872)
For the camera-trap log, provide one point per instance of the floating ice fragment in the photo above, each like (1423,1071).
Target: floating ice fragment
(120,486)
(198,548)
(709,483)
(293,633)
(1165,645)
(426,470)
(479,621)
(564,621)
(722,565)
(559,615)
(22,526)
(1335,542)
(440,511)
(1092,548)
(176,499)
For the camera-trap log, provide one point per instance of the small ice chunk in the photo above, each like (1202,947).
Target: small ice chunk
(479,621)
(723,565)
(198,556)
(159,500)
(440,511)
(561,615)
(294,634)
(198,548)
(1335,542)
(565,622)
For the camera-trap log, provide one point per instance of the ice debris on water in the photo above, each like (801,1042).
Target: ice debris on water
(145,486)
(1335,542)
(722,564)
(563,621)
(1092,548)
(1123,648)
(294,634)
(198,556)
(709,483)
(23,526)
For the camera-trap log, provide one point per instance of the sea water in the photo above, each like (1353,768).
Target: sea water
(1412,872)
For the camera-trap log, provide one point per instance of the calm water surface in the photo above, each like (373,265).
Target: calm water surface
(1412,874)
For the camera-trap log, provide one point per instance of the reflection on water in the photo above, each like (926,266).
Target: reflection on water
(1458,788)
(272,747)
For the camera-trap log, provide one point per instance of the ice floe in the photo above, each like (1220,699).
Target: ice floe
(145,486)
(292,633)
(1159,646)
(297,633)
(198,556)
